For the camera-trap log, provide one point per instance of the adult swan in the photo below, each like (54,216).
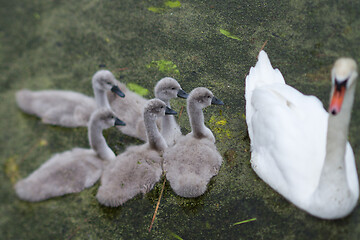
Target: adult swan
(299,149)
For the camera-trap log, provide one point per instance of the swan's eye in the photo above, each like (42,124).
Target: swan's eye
(173,88)
(208,96)
(162,106)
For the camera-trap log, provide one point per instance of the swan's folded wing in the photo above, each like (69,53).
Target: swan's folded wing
(287,132)
(64,108)
(67,172)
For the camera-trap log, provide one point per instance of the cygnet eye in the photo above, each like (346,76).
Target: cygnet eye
(173,88)
(162,107)
(208,96)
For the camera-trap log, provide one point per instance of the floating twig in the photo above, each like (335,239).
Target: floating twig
(262,48)
(181,110)
(158,203)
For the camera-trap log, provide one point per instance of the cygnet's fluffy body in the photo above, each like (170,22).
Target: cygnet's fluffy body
(68,108)
(139,167)
(73,170)
(131,109)
(194,159)
(64,108)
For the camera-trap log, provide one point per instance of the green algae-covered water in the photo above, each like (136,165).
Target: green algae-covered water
(60,44)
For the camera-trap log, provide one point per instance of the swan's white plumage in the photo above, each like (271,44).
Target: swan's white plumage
(288,138)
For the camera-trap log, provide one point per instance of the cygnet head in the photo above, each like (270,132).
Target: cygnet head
(157,108)
(343,76)
(106,81)
(168,88)
(203,97)
(104,118)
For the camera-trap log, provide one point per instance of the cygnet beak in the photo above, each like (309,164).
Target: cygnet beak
(118,122)
(116,89)
(182,94)
(216,101)
(169,111)
(337,97)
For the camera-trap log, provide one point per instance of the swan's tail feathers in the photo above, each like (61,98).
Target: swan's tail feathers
(30,191)
(24,99)
(262,74)
(189,185)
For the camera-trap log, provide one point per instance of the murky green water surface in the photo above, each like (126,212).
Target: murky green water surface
(60,44)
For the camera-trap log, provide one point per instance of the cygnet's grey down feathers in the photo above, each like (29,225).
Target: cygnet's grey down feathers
(134,171)
(193,163)
(67,172)
(139,167)
(68,108)
(166,89)
(64,108)
(194,159)
(72,109)
(130,109)
(73,170)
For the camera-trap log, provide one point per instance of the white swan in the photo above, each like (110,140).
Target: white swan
(68,108)
(299,149)
(73,170)
(194,159)
(131,109)
(139,167)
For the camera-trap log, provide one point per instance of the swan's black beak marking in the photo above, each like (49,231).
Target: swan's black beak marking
(337,97)
(216,101)
(118,122)
(169,111)
(116,89)
(182,94)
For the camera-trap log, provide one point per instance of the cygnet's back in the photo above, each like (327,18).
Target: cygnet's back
(64,108)
(70,171)
(194,159)
(68,108)
(131,109)
(139,167)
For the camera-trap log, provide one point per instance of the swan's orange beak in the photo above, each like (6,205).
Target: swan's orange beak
(337,98)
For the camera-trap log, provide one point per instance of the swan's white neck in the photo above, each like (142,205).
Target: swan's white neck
(196,115)
(155,140)
(101,98)
(98,142)
(333,189)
